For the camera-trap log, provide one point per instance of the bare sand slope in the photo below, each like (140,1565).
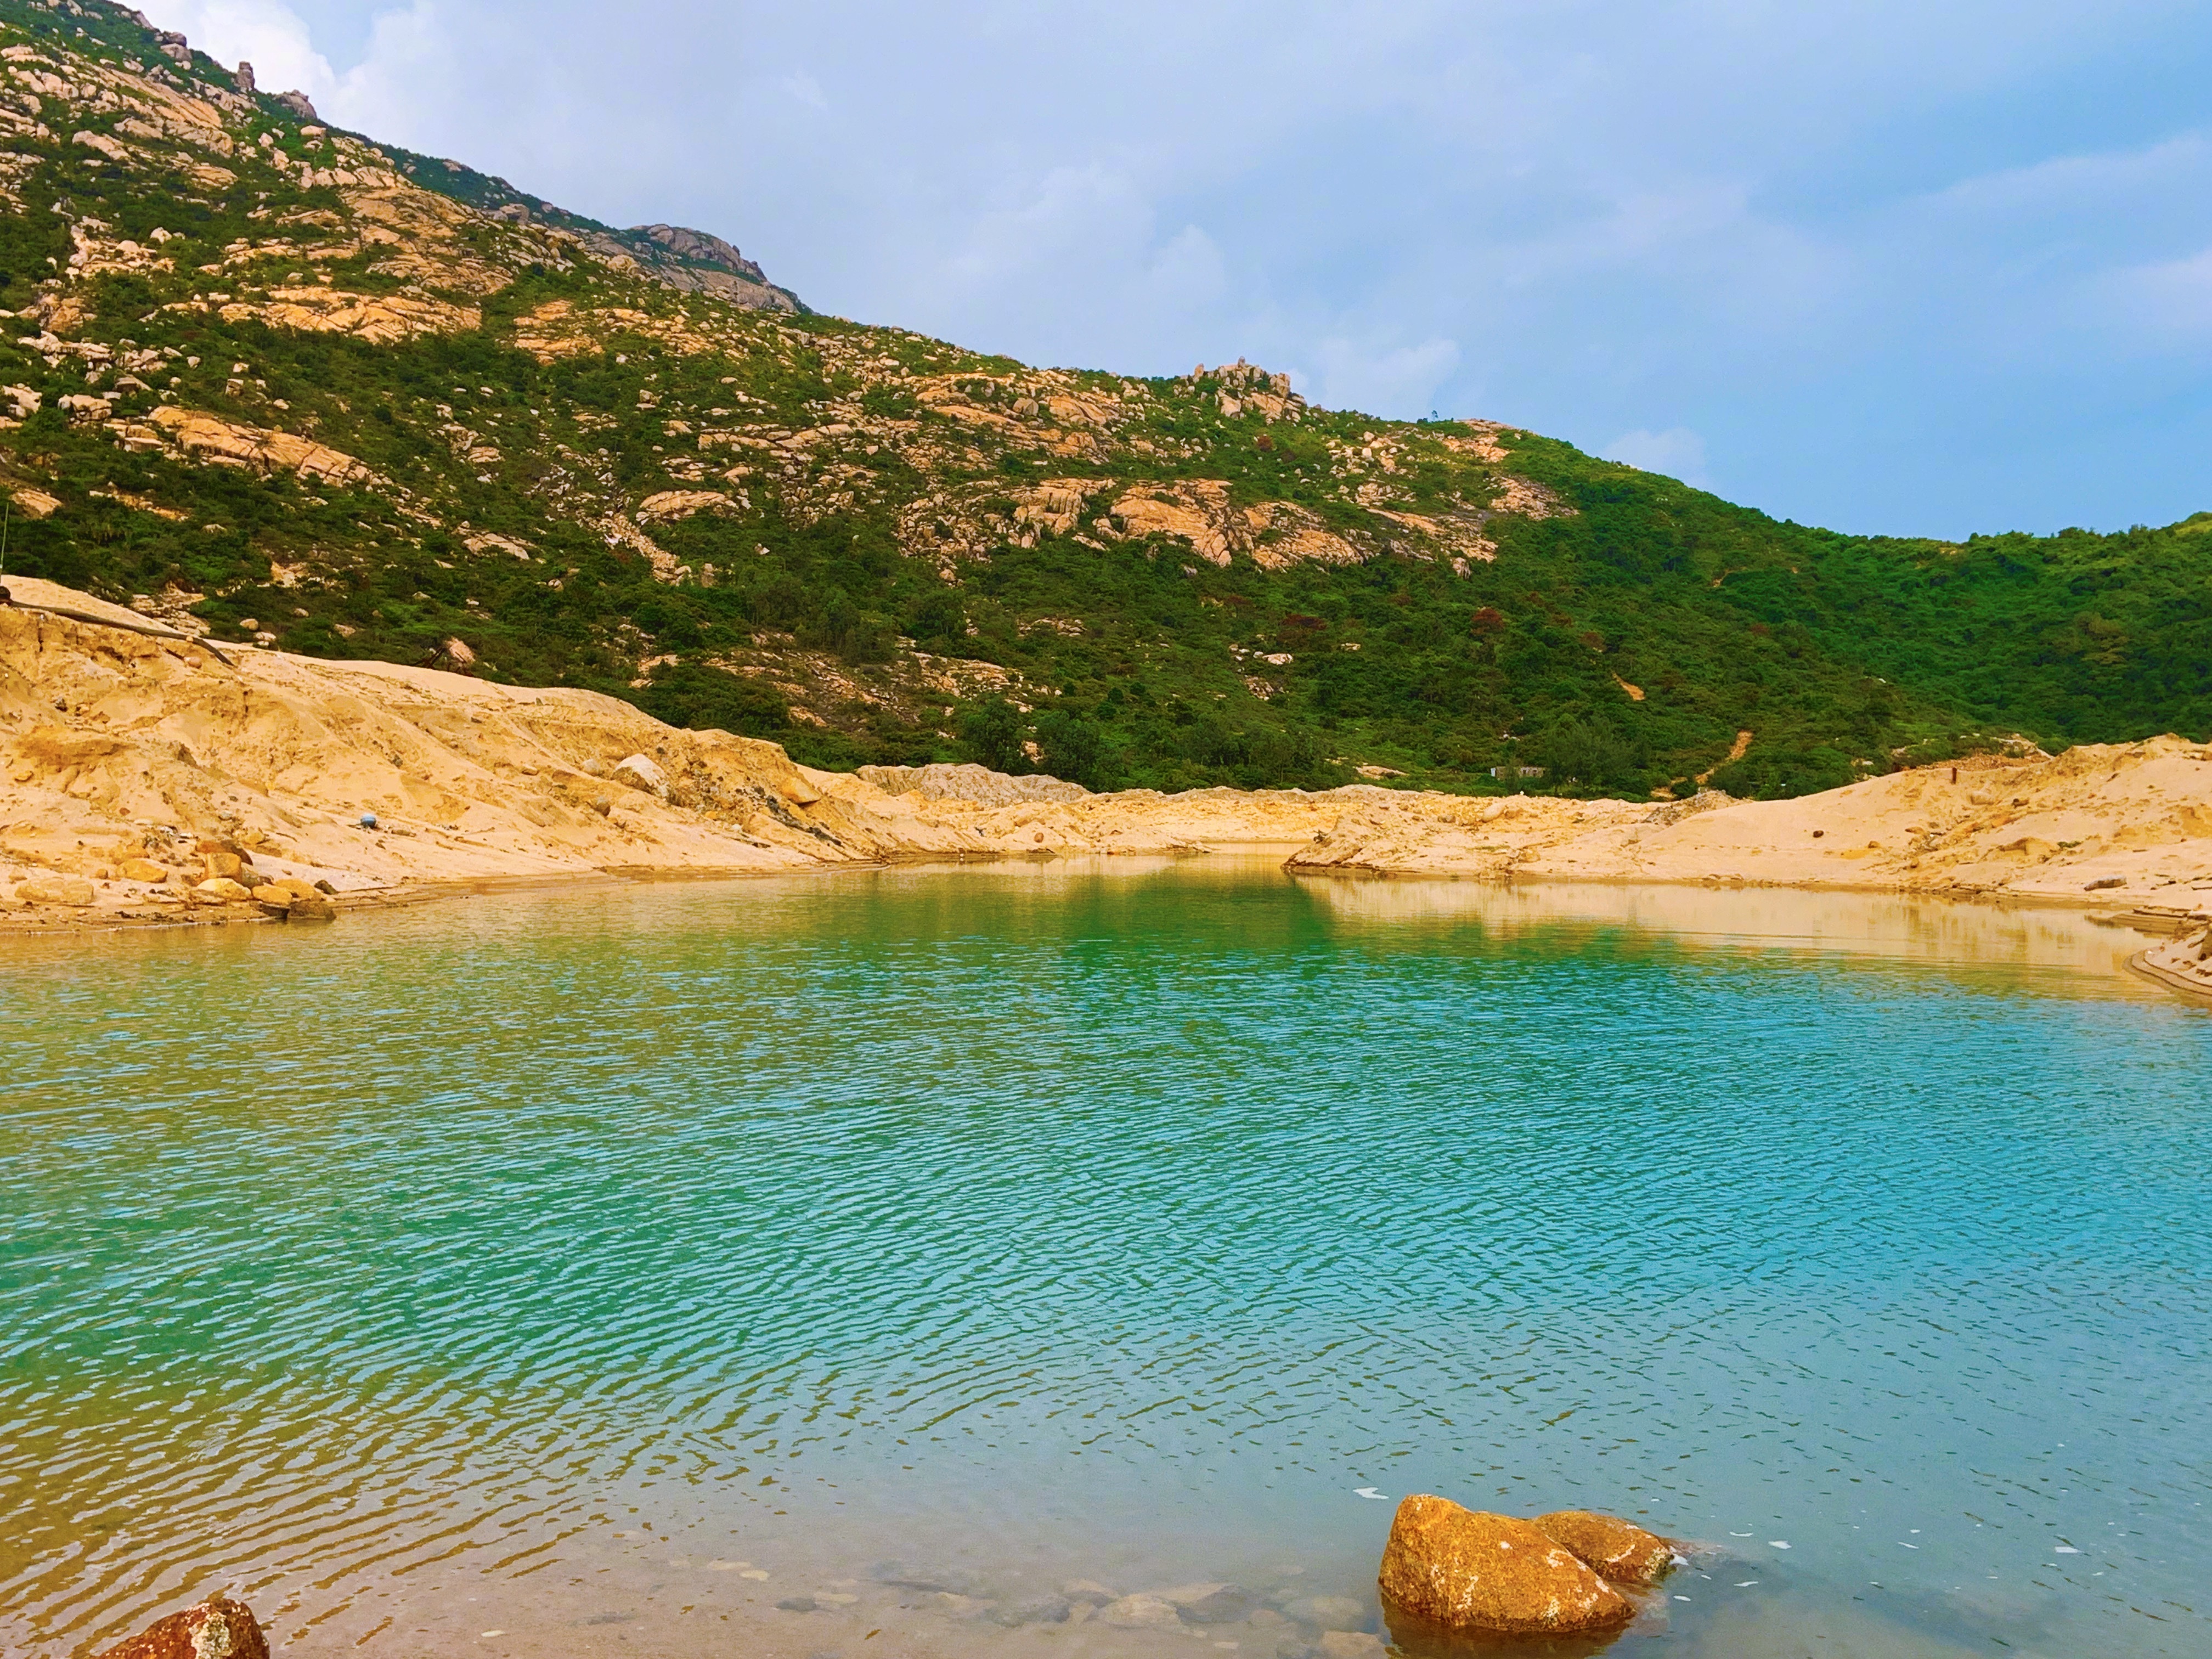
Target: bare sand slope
(116,747)
(135,764)
(2102,823)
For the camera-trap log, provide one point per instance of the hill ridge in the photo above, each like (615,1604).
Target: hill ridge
(286,383)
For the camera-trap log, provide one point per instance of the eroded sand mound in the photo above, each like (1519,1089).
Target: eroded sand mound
(2102,823)
(136,764)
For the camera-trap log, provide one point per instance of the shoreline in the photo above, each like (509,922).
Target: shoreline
(147,782)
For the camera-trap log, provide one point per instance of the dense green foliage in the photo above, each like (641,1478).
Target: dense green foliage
(1620,643)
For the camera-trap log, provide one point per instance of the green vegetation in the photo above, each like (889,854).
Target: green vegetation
(880,569)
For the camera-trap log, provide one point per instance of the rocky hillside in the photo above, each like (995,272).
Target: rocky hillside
(284,383)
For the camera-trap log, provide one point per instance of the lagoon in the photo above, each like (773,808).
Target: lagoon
(602,1267)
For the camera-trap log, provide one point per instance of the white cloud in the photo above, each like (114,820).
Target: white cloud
(1399,382)
(267,33)
(1678,453)
(1187,272)
(806,89)
(2168,298)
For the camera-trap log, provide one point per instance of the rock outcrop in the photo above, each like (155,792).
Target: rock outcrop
(969,783)
(1618,1551)
(1464,1569)
(218,1628)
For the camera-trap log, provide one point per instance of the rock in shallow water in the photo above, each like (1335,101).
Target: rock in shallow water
(218,1628)
(1468,1570)
(932,1578)
(1032,1610)
(1209,1603)
(1140,1612)
(1618,1551)
(1327,1612)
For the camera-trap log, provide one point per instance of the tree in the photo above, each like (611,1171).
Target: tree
(992,733)
(1075,748)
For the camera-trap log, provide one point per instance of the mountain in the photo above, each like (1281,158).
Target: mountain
(282,381)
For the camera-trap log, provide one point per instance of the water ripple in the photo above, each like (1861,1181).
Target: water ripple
(1061,1212)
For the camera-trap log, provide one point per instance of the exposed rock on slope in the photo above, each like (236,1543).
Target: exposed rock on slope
(978,784)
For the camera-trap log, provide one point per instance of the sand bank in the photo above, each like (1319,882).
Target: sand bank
(136,764)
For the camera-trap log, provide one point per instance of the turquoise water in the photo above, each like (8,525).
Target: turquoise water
(549,1263)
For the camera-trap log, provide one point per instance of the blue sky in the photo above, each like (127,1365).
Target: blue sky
(1917,268)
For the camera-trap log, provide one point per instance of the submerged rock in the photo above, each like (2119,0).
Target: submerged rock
(1140,1612)
(1465,1569)
(1032,1610)
(218,1628)
(932,1579)
(1327,1612)
(1618,1551)
(1209,1604)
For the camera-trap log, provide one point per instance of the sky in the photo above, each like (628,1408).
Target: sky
(1884,265)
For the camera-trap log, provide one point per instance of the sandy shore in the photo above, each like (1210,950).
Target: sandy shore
(137,765)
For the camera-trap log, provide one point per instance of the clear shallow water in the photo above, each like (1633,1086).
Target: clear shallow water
(550,1263)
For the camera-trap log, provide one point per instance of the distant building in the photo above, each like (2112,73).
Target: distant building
(1517,771)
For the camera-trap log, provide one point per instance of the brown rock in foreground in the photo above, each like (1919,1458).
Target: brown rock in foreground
(1468,1570)
(1618,1551)
(219,1628)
